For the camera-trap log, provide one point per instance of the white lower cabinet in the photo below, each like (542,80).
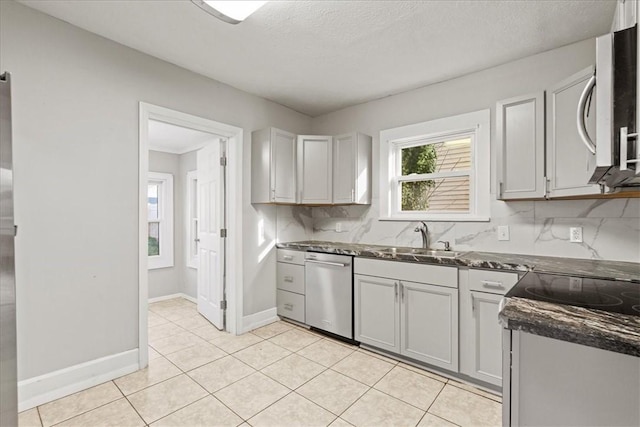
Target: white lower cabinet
(480,331)
(290,283)
(429,324)
(417,320)
(486,337)
(377,312)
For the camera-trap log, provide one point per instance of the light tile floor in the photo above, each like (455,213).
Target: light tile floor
(278,375)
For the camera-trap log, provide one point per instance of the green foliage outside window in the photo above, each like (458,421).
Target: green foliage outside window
(417,160)
(154,246)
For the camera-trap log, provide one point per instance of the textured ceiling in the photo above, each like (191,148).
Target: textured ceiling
(320,56)
(175,139)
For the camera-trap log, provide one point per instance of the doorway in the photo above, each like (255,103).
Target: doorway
(220,228)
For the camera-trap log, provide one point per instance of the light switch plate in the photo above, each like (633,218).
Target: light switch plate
(503,232)
(338,227)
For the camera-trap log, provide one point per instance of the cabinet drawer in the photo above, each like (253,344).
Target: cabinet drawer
(290,305)
(290,277)
(292,257)
(411,272)
(495,282)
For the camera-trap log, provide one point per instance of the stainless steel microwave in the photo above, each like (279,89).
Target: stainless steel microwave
(616,144)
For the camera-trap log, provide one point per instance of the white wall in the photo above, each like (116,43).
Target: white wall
(75,133)
(611,229)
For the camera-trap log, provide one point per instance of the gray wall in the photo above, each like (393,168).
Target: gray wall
(188,162)
(169,280)
(611,229)
(75,133)
(179,278)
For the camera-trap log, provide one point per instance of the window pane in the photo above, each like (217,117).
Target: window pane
(154,238)
(152,201)
(452,155)
(445,194)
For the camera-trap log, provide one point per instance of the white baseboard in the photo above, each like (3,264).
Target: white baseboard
(54,385)
(172,296)
(256,320)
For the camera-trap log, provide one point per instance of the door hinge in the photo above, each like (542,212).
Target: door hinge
(223,305)
(223,161)
(223,232)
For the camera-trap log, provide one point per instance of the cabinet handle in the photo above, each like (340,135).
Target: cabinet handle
(401,291)
(287,257)
(395,288)
(288,279)
(492,285)
(273,194)
(288,306)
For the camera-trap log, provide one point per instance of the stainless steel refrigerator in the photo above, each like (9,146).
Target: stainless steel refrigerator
(8,362)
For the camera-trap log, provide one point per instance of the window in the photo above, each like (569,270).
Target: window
(160,219)
(437,170)
(192,219)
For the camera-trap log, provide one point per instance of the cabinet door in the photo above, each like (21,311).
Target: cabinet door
(344,173)
(315,169)
(283,166)
(352,169)
(569,163)
(485,338)
(520,140)
(376,312)
(429,324)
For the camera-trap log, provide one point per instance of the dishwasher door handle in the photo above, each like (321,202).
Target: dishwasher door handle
(335,264)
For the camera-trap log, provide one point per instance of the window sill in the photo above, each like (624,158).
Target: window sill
(437,219)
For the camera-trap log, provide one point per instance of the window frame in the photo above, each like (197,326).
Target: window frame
(165,218)
(475,125)
(191,223)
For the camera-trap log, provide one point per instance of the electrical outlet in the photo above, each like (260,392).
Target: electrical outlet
(338,227)
(503,232)
(575,284)
(575,234)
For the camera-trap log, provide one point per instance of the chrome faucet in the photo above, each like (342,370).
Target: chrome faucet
(424,232)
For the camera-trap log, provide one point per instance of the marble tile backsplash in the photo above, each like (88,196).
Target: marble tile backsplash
(611,228)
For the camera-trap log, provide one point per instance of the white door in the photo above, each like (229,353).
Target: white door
(211,245)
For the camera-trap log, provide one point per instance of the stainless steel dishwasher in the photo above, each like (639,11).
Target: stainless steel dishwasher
(329,293)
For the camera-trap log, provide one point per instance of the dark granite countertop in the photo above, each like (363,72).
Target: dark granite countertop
(594,312)
(615,270)
(591,325)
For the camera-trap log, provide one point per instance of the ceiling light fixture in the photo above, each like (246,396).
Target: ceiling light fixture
(232,12)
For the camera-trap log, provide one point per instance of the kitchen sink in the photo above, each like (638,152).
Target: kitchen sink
(423,251)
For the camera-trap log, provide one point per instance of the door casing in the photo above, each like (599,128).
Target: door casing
(233,262)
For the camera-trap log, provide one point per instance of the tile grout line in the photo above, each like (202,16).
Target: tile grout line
(39,416)
(87,411)
(131,404)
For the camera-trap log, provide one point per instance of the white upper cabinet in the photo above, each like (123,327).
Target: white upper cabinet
(520,142)
(315,170)
(273,164)
(626,15)
(539,151)
(569,163)
(310,169)
(352,169)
